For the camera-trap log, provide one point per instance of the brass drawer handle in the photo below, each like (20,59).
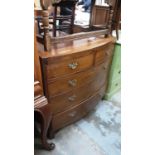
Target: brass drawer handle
(72,98)
(72,114)
(73,65)
(72,82)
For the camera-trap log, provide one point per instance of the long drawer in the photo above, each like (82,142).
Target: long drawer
(62,102)
(63,85)
(75,113)
(69,65)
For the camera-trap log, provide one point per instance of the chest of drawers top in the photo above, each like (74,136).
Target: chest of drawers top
(75,47)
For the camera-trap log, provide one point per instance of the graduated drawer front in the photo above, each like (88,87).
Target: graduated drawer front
(62,67)
(74,97)
(62,85)
(104,53)
(75,113)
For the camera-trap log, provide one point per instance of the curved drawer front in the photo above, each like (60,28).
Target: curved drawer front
(104,53)
(71,65)
(71,98)
(75,113)
(77,80)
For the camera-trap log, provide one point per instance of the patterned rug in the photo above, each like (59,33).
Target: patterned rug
(96,134)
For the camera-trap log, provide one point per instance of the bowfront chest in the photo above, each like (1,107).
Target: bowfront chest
(75,76)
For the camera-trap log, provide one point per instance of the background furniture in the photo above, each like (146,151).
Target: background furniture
(61,18)
(43,114)
(41,108)
(100,16)
(58,20)
(115,73)
(117,18)
(100,19)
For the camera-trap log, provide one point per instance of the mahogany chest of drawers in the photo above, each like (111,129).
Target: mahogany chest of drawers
(75,77)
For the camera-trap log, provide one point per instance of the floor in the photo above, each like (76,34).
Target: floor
(96,134)
(81,18)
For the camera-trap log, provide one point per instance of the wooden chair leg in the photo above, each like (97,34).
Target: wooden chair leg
(54,21)
(72,19)
(117,34)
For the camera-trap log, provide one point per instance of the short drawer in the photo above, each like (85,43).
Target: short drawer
(104,53)
(75,113)
(71,65)
(62,85)
(62,102)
